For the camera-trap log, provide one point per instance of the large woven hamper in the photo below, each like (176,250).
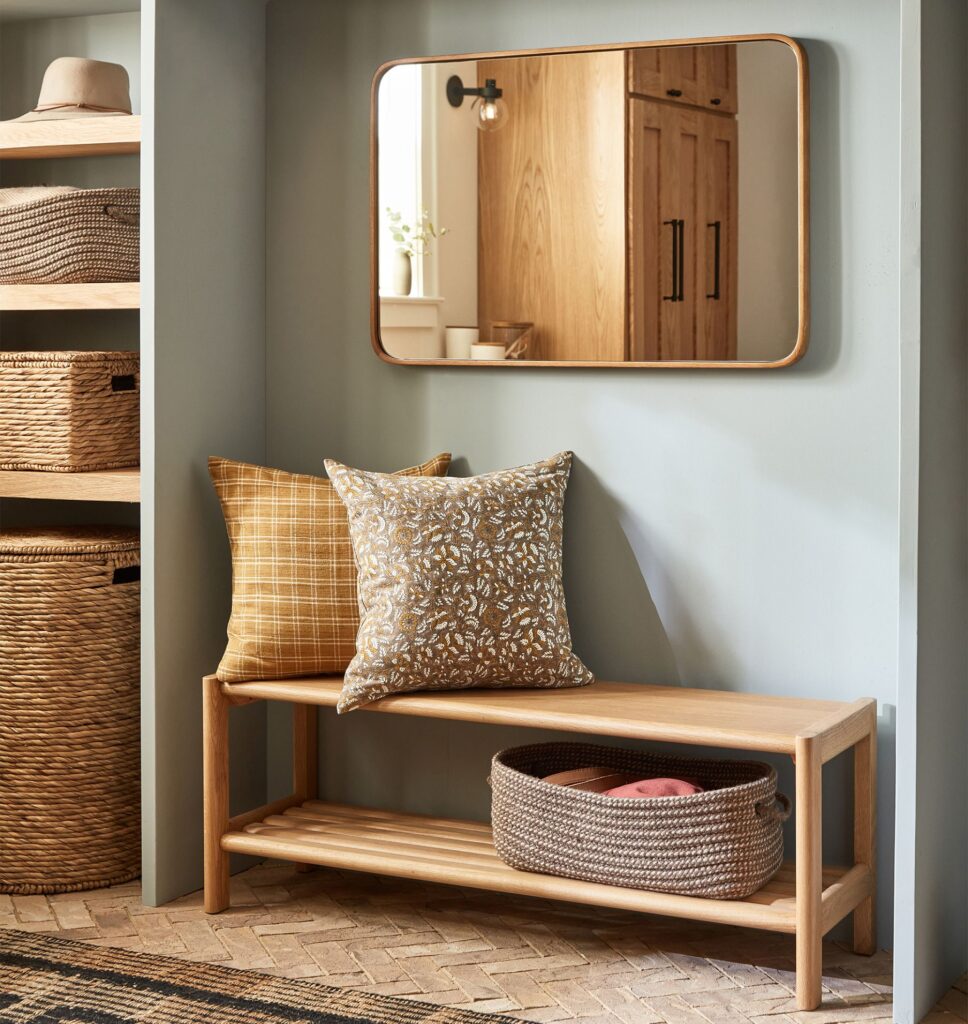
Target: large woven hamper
(68,411)
(69,752)
(724,843)
(66,235)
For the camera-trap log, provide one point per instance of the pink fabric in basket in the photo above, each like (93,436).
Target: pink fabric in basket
(655,787)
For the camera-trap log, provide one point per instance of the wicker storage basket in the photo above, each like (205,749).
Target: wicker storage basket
(69,760)
(68,411)
(724,843)
(69,235)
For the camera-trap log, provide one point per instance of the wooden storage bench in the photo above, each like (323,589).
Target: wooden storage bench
(805,899)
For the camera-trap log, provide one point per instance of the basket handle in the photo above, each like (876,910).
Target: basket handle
(778,809)
(121,215)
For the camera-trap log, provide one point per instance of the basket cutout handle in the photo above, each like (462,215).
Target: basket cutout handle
(121,215)
(126,574)
(124,382)
(778,809)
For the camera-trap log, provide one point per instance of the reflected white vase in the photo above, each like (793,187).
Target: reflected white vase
(402,273)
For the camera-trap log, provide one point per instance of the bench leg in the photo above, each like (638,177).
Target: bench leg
(865,819)
(215,752)
(304,757)
(809,873)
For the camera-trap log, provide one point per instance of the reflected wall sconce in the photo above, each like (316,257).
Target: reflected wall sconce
(491,111)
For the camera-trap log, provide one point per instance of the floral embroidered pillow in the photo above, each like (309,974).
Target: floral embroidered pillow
(460,581)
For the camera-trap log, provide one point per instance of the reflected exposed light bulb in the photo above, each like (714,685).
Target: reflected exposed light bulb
(491,114)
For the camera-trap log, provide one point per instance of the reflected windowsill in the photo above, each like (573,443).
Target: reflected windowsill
(407,300)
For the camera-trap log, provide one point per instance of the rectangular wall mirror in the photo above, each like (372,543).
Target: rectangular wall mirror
(628,205)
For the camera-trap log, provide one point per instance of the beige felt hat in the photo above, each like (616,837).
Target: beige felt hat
(78,87)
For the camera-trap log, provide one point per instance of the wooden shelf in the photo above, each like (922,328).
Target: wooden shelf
(111,295)
(99,485)
(70,137)
(672,714)
(462,853)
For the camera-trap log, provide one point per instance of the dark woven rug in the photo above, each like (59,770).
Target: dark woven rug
(44,980)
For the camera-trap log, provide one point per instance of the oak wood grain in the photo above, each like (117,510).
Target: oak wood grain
(110,295)
(718,203)
(462,853)
(809,867)
(70,137)
(215,772)
(552,204)
(744,721)
(718,82)
(96,485)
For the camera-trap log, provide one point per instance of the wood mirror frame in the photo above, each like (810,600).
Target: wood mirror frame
(803,212)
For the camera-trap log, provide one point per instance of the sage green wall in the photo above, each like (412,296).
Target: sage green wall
(735,530)
(931,926)
(203,355)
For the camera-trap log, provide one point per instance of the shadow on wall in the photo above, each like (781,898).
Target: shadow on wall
(826,219)
(615,624)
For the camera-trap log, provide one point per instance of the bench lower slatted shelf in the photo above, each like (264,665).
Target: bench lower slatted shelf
(461,853)
(804,898)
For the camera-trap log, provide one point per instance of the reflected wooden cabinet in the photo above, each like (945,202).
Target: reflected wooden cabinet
(641,266)
(697,76)
(682,238)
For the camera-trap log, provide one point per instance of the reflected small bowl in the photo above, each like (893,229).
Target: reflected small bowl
(488,350)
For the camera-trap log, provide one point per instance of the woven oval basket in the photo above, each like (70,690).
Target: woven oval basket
(66,235)
(69,679)
(68,411)
(724,843)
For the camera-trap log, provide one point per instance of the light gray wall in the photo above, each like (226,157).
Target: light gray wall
(931,947)
(203,321)
(724,529)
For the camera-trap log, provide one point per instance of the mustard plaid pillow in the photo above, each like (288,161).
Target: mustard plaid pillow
(294,601)
(460,581)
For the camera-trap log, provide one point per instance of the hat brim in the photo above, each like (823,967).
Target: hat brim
(68,113)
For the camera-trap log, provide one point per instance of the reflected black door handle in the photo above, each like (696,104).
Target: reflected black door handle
(674,297)
(673,92)
(682,259)
(716,226)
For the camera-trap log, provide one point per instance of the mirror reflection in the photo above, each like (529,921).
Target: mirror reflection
(615,206)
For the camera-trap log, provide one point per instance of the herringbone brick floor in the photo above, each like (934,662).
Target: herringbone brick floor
(533,959)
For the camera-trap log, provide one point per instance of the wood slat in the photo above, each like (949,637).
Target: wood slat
(742,721)
(396,819)
(110,295)
(847,892)
(100,485)
(70,137)
(461,853)
(350,842)
(264,812)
